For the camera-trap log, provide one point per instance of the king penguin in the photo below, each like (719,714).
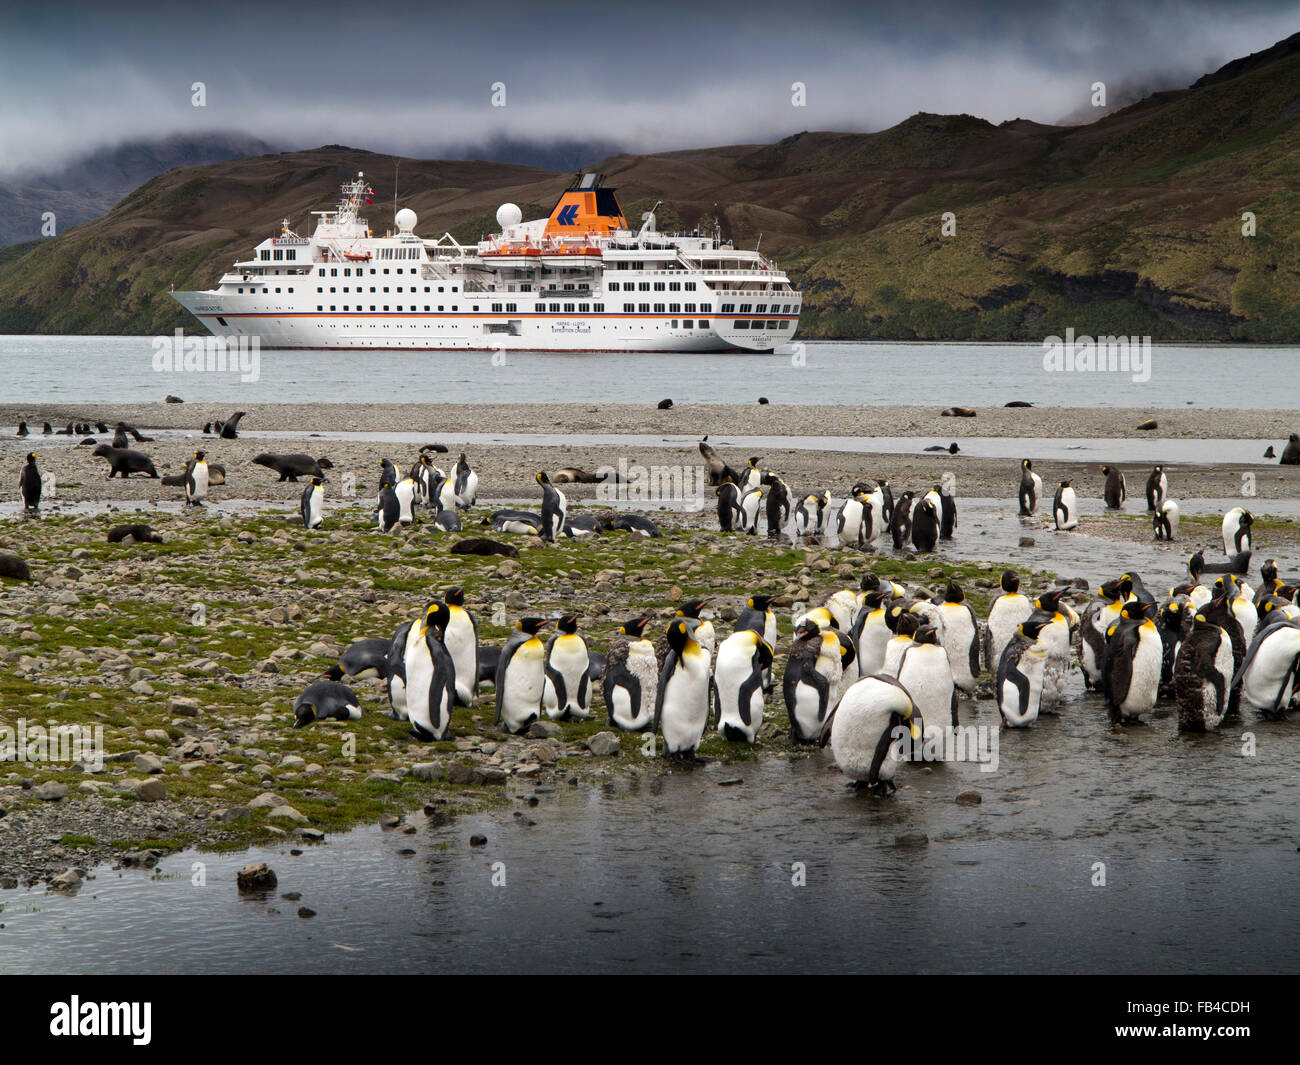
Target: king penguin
(1165,520)
(466,487)
(874,721)
(924,672)
(313,499)
(29,483)
(682,701)
(1007,612)
(521,677)
(326,698)
(460,637)
(759,616)
(1203,671)
(1236,531)
(1115,492)
(1019,684)
(566,695)
(554,505)
(1031,488)
(1267,676)
(925,525)
(1132,664)
(631,680)
(812,678)
(1157,488)
(960,637)
(430,676)
(196,481)
(1065,508)
(743,659)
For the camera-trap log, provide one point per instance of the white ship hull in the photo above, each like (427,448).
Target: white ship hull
(579,280)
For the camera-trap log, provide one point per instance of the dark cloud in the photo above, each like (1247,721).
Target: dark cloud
(418,77)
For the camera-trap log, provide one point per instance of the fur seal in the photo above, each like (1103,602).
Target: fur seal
(291,467)
(478,545)
(229,429)
(125,462)
(1291,453)
(957,412)
(665,404)
(139,533)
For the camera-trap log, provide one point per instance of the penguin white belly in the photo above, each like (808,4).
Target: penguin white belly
(405,491)
(198,491)
(875,638)
(521,697)
(1199,596)
(397,697)
(864,717)
(893,655)
(1247,617)
(925,674)
(1224,665)
(468,490)
(462,645)
(571,660)
(1056,675)
(843,605)
(685,712)
(732,672)
(314,507)
(1144,676)
(959,635)
(1262,678)
(749,505)
(1020,707)
(419,683)
(644,667)
(1007,614)
(511,526)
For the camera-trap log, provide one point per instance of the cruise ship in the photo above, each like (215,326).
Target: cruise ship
(578,280)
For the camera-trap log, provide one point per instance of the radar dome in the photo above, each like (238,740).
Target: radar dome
(509,215)
(405,220)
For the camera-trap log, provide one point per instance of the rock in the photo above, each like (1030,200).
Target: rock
(235,813)
(604,744)
(544,730)
(256,877)
(151,790)
(182,706)
(459,773)
(142,687)
(969,798)
(51,791)
(428,771)
(306,911)
(1150,423)
(489,774)
(14,567)
(313,834)
(148,763)
(288,813)
(478,841)
(389,820)
(268,800)
(911,839)
(68,882)
(1026,541)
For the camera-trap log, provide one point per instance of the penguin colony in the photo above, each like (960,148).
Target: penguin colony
(872,671)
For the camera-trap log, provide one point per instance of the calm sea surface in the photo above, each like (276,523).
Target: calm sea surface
(39,369)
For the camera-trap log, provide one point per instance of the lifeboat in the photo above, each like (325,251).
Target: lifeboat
(357,256)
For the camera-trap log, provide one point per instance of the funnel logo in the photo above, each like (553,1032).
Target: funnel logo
(568,215)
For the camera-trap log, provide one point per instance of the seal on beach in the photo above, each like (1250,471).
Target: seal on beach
(478,545)
(125,461)
(29,483)
(1157,487)
(229,429)
(554,505)
(665,404)
(869,730)
(312,503)
(1065,508)
(460,637)
(1290,453)
(291,467)
(682,701)
(957,412)
(196,480)
(1017,403)
(326,698)
(631,679)
(140,533)
(1115,492)
(952,448)
(1269,453)
(521,677)
(22,429)
(46,429)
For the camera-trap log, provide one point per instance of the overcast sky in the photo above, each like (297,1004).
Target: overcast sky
(415,76)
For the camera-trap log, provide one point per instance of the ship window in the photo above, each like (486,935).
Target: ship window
(265,254)
(455,288)
(385,306)
(347,272)
(704,323)
(439,288)
(241,291)
(385,288)
(628,308)
(659,308)
(291,254)
(613,286)
(372,307)
(385,269)
(290,289)
(760,308)
(659,286)
(512,307)
(741,323)
(426,288)
(568,308)
(644,286)
(522,288)
(690,308)
(334,271)
(440,306)
(644,308)
(688,324)
(496,308)
(690,286)
(674,323)
(319,307)
(277,288)
(476,306)
(745,308)
(320,273)
(756,324)
(785,325)
(455,306)
(584,307)
(674,308)
(426,308)
(345,307)
(728,308)
(333,308)
(771,325)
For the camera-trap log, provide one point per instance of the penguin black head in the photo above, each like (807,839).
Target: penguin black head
(908,624)
(425,460)
(1010,580)
(543,478)
(567,624)
(1268,571)
(1286,591)
(753,463)
(634,627)
(436,616)
(1246,518)
(1136,611)
(1051,601)
(316,482)
(874,600)
(869,583)
(1064,484)
(1196,564)
(303,714)
(926,634)
(454,597)
(198,456)
(953,593)
(1033,626)
(462,457)
(1106,470)
(692,607)
(532,626)
(953,448)
(1026,464)
(807,630)
(681,631)
(760,602)
(31,458)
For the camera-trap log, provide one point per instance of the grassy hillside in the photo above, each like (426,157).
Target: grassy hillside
(1132,224)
